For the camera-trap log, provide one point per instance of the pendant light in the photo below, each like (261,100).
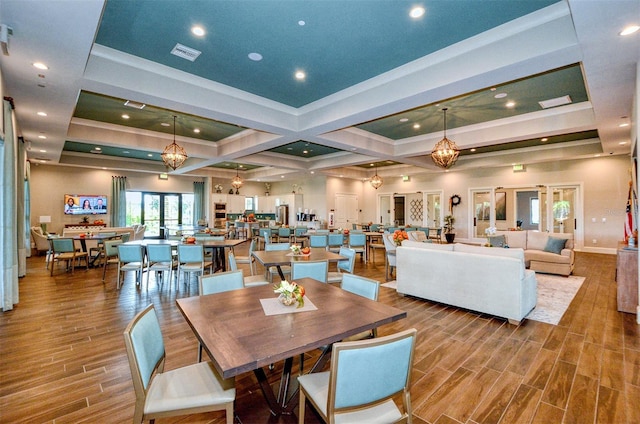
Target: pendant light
(236,182)
(174,155)
(376,180)
(445,153)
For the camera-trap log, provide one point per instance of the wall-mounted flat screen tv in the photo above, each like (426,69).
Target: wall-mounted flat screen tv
(85,204)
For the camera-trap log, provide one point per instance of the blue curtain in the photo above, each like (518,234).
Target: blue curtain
(27,206)
(118,201)
(8,213)
(198,202)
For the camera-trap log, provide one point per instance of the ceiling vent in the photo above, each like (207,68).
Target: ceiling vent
(185,52)
(558,101)
(133,104)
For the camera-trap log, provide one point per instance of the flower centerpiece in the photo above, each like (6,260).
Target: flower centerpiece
(399,236)
(290,293)
(218,188)
(251,217)
(490,232)
(295,249)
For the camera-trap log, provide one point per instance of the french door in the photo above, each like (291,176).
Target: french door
(158,210)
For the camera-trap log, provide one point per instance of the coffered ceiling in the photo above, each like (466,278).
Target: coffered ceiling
(375,83)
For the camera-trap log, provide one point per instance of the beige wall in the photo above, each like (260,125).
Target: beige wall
(604,181)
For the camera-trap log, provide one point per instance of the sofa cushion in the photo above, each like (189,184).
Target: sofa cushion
(536,240)
(555,245)
(515,238)
(508,253)
(497,241)
(431,246)
(542,256)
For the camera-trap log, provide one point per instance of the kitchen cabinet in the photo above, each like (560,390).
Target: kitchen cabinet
(235,203)
(266,204)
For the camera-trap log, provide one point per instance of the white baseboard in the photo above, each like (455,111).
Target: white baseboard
(605,250)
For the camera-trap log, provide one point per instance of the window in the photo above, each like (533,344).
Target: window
(157,210)
(534,209)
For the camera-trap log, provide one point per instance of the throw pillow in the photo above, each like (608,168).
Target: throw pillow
(555,245)
(497,241)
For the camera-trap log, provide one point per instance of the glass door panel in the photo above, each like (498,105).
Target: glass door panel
(171,212)
(433,215)
(385,210)
(481,213)
(151,217)
(564,210)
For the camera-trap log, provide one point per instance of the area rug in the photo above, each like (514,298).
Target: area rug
(555,293)
(390,285)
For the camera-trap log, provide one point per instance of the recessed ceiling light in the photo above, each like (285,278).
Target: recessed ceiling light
(622,143)
(150,155)
(313,172)
(165,124)
(281,176)
(473,150)
(493,89)
(197,30)
(510,104)
(196,130)
(305,151)
(416,126)
(256,57)
(500,95)
(404,119)
(371,164)
(630,30)
(104,168)
(126,152)
(43,137)
(43,151)
(543,139)
(300,75)
(42,113)
(98,148)
(597,156)
(135,105)
(289,148)
(40,65)
(301,23)
(624,125)
(125,116)
(416,12)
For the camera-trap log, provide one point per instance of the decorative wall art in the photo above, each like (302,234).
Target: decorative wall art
(416,210)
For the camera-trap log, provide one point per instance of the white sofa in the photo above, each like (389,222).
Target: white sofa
(482,279)
(535,256)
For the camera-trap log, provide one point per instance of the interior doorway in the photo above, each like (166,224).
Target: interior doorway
(398,210)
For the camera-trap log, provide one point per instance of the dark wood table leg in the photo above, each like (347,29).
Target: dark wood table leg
(277,405)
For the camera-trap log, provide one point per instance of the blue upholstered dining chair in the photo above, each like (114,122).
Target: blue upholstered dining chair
(365,287)
(130,258)
(358,242)
(249,259)
(187,390)
(335,242)
(191,259)
(354,391)
(110,255)
(390,255)
(284,233)
(249,280)
(160,259)
(298,237)
(217,283)
(318,240)
(63,249)
(344,265)
(317,270)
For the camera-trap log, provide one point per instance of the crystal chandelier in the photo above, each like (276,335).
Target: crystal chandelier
(445,153)
(173,155)
(236,182)
(376,180)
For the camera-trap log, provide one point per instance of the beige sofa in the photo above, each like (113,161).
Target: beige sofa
(483,279)
(536,257)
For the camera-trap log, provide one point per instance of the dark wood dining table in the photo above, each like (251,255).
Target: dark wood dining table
(278,258)
(218,247)
(239,336)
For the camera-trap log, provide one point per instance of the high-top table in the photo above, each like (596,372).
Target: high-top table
(218,247)
(239,336)
(278,258)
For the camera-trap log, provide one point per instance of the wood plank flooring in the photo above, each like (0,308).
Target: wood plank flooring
(62,356)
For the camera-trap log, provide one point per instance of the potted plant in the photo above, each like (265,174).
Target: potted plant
(448,228)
